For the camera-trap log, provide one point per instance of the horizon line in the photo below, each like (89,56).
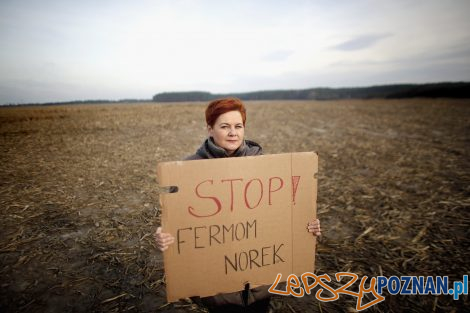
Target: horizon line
(76,101)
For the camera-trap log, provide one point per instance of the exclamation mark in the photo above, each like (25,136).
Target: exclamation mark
(295,184)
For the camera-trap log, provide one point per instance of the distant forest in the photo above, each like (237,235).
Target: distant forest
(435,90)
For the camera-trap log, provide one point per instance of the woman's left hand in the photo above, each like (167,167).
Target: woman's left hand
(314,227)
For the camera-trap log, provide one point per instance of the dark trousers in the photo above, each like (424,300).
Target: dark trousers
(261,306)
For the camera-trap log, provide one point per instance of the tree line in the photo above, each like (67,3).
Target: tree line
(434,90)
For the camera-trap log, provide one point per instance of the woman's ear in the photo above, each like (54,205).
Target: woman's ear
(209,130)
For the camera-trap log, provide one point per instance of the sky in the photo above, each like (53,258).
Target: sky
(61,50)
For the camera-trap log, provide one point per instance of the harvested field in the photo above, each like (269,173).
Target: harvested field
(79,198)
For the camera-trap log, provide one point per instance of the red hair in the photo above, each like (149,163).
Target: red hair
(224,105)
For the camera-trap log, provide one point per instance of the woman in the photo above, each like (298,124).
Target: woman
(226,120)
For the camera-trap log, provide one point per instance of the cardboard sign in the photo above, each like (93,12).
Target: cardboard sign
(236,221)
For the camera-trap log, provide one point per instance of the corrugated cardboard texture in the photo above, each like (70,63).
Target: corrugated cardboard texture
(236,221)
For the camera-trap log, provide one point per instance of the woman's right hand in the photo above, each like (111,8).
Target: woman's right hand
(163,240)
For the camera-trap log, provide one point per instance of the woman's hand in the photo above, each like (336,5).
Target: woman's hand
(314,227)
(163,240)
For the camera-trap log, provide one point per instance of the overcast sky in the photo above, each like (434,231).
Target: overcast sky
(59,50)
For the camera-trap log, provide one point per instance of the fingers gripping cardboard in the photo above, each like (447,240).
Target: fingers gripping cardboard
(237,220)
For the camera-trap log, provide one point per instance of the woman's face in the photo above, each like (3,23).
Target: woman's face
(228,131)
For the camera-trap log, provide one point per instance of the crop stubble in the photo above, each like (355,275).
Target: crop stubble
(79,198)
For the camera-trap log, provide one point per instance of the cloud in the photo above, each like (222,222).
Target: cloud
(361,42)
(278,55)
(456,55)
